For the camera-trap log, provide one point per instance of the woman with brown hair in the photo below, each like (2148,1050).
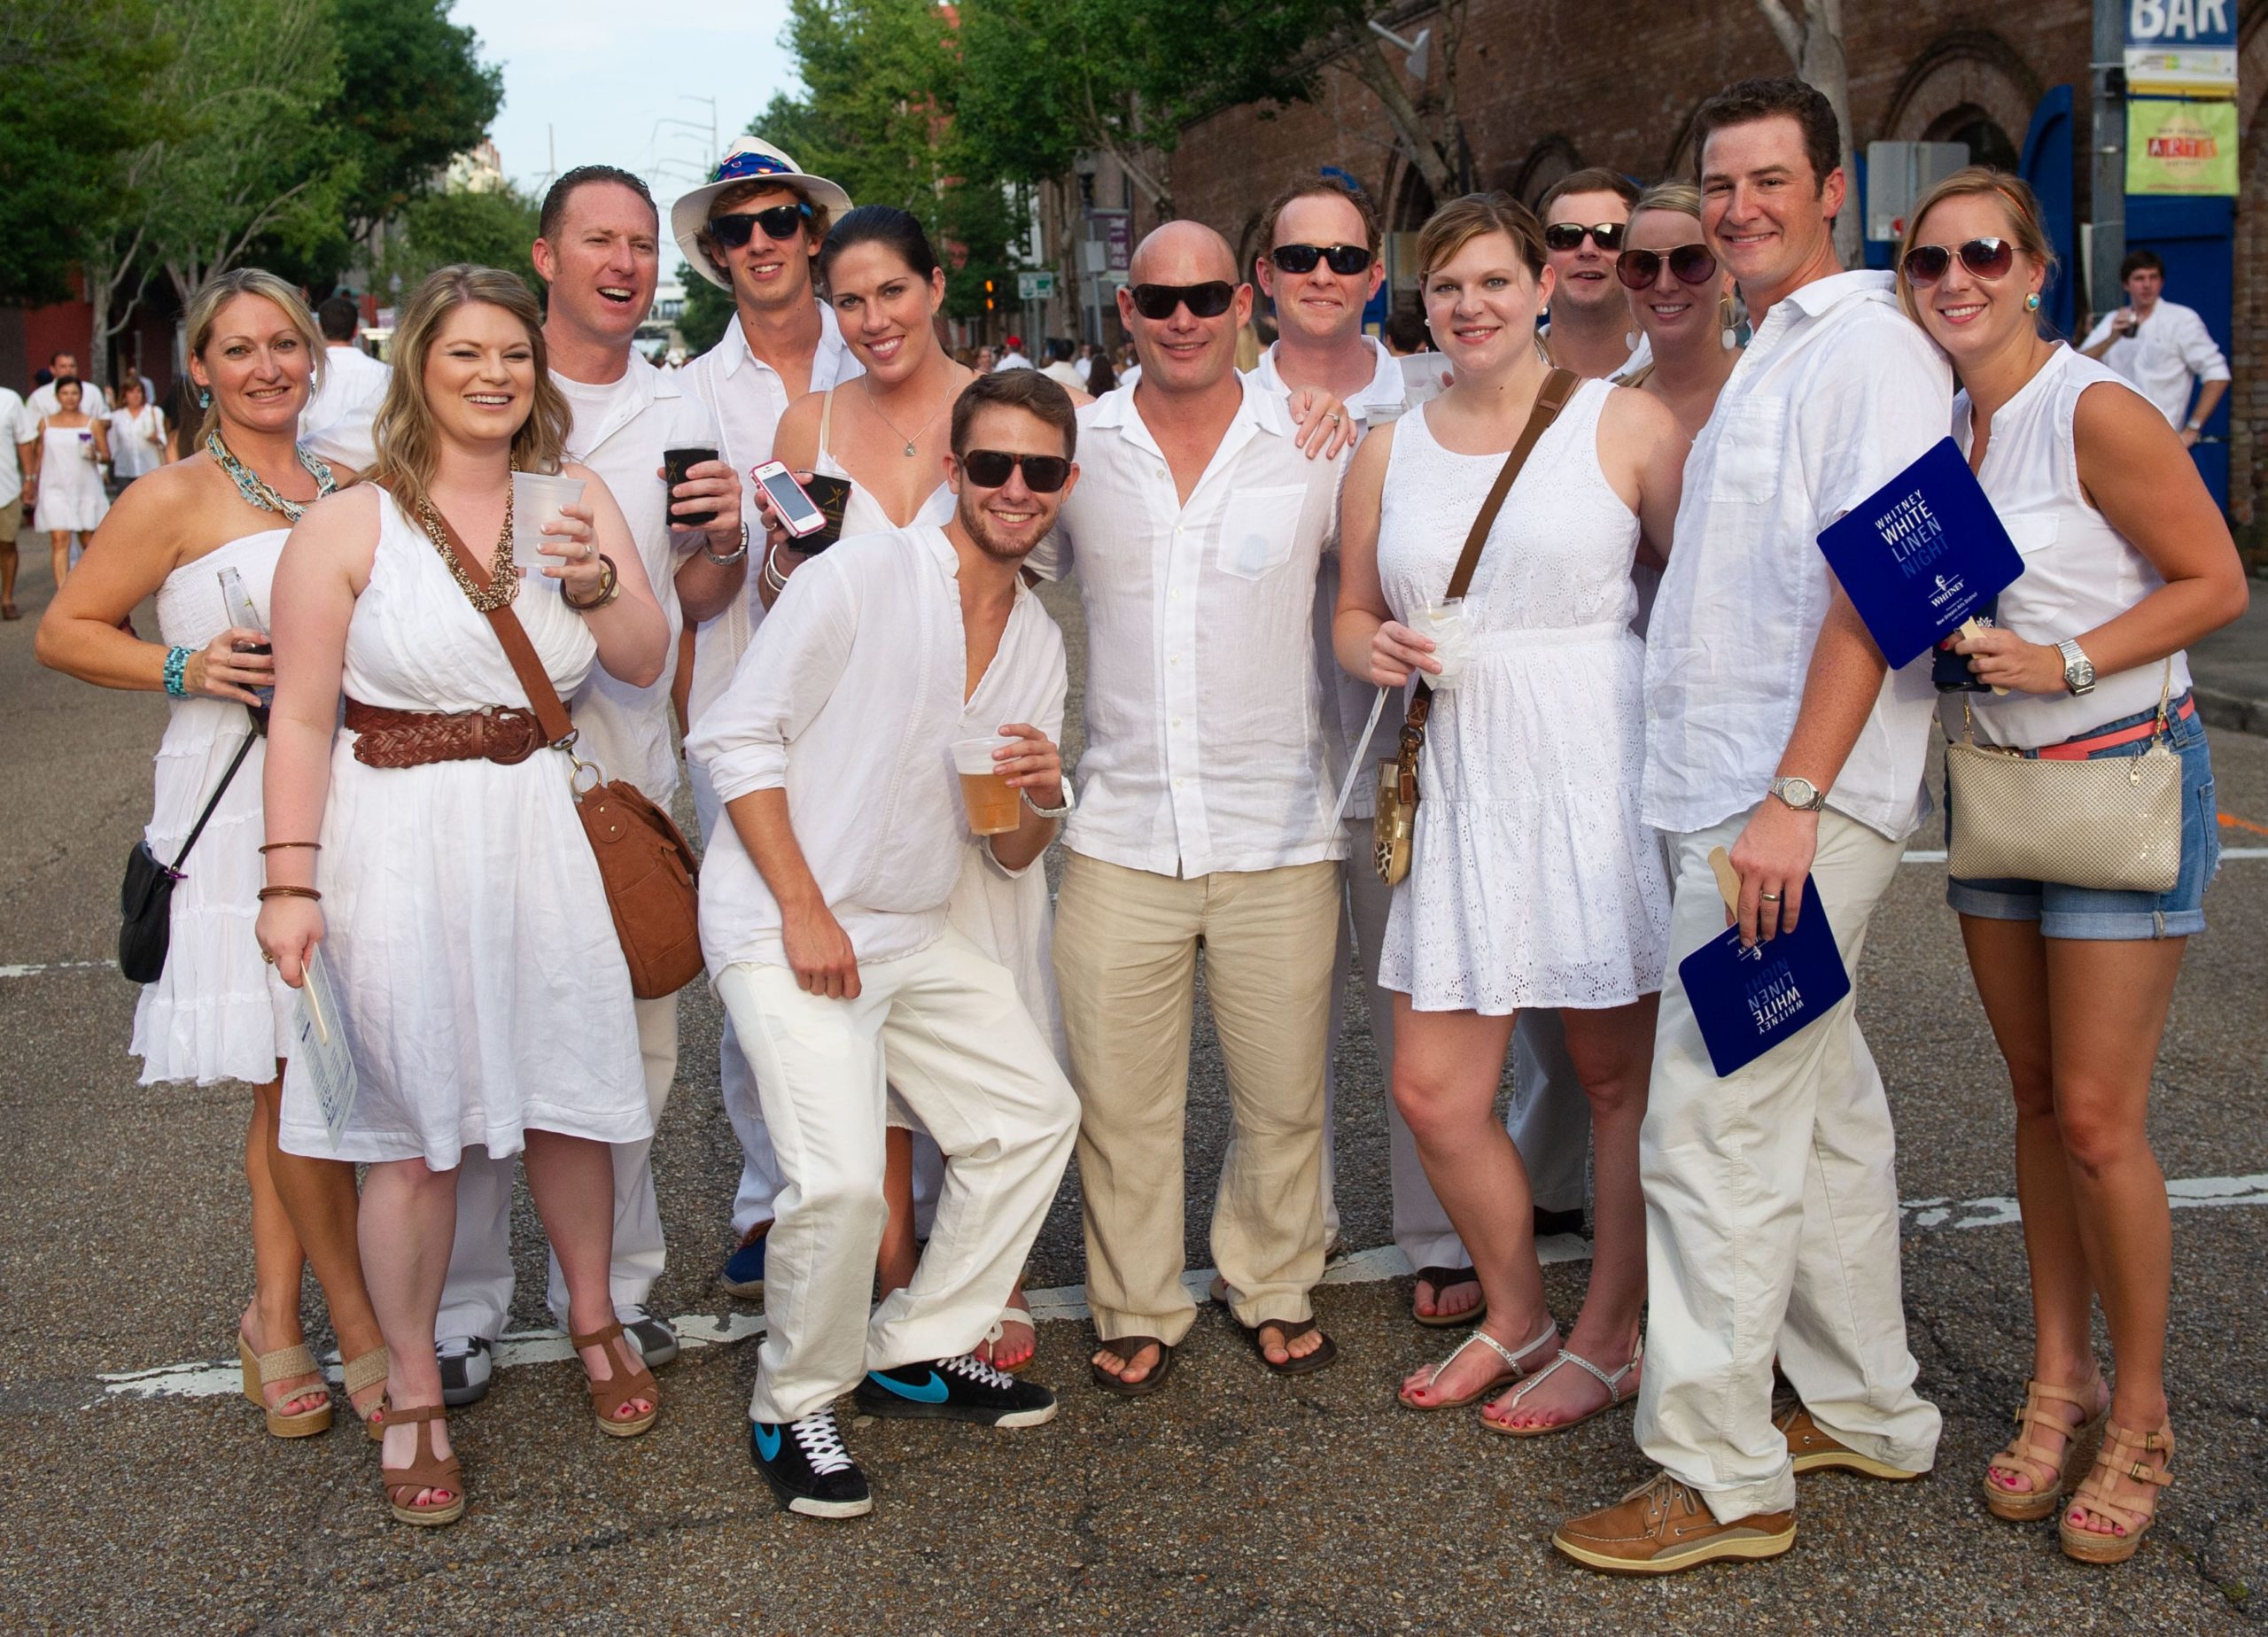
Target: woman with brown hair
(216,1012)
(432,851)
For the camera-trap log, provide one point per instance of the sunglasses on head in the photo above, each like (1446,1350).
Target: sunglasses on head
(1344,259)
(1569,236)
(1987,257)
(1688,264)
(988,468)
(778,223)
(1209,299)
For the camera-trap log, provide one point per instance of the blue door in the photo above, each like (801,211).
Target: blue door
(2197,237)
(2047,165)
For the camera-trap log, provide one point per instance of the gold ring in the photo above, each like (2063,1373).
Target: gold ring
(268,956)
(1769,898)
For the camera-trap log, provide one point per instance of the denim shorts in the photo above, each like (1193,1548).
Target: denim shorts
(2086,912)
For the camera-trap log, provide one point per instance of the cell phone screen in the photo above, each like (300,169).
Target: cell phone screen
(794,507)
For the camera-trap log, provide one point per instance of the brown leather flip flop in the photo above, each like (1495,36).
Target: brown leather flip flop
(1126,1347)
(1443,1280)
(1291,1330)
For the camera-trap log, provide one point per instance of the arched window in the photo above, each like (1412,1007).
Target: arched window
(1987,142)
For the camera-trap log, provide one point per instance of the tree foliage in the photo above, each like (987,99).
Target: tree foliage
(412,93)
(708,312)
(491,230)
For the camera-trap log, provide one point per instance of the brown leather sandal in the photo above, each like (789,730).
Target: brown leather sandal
(1126,1347)
(281,1365)
(2119,1458)
(363,1372)
(607,1396)
(1444,1280)
(2049,1478)
(1289,1330)
(429,1470)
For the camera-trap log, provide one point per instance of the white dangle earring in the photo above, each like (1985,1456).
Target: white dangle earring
(1728,338)
(1630,339)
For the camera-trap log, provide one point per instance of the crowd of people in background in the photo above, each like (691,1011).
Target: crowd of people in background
(1568,509)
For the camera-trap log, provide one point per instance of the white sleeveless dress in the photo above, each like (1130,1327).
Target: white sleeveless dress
(1533,881)
(70,484)
(468,933)
(1008,917)
(218,1012)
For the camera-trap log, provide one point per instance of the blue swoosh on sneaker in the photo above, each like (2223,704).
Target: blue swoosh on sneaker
(768,1441)
(933,1391)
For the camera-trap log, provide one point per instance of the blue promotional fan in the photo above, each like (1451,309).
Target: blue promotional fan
(1748,1001)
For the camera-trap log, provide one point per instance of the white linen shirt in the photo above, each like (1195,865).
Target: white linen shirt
(624,729)
(747,397)
(338,423)
(2165,358)
(1205,715)
(1837,393)
(849,697)
(42,403)
(1348,698)
(12,469)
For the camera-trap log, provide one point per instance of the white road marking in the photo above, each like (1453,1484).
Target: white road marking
(220,1378)
(53,965)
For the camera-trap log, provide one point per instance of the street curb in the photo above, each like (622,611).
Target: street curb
(2233,711)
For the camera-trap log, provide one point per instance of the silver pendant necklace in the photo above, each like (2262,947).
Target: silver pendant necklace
(910,450)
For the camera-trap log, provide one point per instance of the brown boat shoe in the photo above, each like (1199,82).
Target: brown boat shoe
(1813,1450)
(1663,1526)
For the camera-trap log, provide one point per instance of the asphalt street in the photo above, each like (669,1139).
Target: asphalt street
(1232,1503)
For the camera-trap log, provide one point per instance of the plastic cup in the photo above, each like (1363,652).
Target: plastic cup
(537,498)
(1444,621)
(991,800)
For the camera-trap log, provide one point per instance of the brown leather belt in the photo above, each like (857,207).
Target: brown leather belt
(389,738)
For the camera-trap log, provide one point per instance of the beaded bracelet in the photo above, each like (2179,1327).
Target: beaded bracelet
(176,663)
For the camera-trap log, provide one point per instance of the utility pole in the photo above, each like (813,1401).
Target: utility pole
(2107,232)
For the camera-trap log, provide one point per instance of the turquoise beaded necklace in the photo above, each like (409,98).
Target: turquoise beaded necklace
(256,490)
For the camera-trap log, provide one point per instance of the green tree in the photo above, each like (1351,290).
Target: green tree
(708,312)
(412,94)
(491,230)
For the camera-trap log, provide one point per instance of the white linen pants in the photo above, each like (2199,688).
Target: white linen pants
(1772,1218)
(477,1298)
(945,1029)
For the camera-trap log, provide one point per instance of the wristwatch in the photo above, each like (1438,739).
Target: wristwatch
(2078,669)
(729,558)
(1799,792)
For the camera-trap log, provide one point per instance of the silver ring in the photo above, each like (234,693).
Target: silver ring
(1769,898)
(1333,418)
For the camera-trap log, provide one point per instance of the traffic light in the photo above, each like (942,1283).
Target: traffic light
(988,295)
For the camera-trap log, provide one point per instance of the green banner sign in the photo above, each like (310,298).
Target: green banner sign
(2180,147)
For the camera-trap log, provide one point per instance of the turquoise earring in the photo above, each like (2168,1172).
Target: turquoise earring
(205,393)
(2032,302)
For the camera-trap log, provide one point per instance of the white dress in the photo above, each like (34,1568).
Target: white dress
(217,1011)
(1008,917)
(70,495)
(1533,881)
(467,931)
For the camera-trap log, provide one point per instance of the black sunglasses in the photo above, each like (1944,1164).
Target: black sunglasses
(778,223)
(988,468)
(1569,236)
(1344,259)
(1987,257)
(1690,264)
(1209,299)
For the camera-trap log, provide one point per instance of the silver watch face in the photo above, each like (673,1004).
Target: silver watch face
(1798,792)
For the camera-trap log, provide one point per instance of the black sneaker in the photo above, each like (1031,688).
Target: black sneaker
(807,1467)
(466,1364)
(956,1389)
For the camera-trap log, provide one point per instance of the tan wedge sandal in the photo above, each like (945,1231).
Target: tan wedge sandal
(281,1365)
(2120,1457)
(619,1389)
(430,1471)
(363,1372)
(2050,1478)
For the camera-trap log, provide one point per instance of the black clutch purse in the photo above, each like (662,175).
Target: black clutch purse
(145,899)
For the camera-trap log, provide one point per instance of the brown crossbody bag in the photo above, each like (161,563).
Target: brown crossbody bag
(650,874)
(1396,823)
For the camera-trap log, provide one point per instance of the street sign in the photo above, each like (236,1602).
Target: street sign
(2181,47)
(1035,286)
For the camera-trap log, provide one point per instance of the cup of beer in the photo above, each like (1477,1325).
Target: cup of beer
(537,499)
(984,790)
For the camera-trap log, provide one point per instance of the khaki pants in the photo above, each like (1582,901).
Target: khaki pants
(1772,1218)
(1126,944)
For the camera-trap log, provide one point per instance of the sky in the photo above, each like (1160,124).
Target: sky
(587,81)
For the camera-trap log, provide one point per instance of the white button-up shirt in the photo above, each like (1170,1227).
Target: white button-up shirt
(1837,393)
(338,423)
(1348,699)
(2165,358)
(747,397)
(1205,715)
(849,698)
(12,469)
(619,432)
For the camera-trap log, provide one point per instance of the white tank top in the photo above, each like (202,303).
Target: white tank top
(2078,571)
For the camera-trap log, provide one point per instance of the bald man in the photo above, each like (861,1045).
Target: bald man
(1204,816)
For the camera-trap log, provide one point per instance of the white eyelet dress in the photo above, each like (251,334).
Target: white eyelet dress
(217,1011)
(466,928)
(1533,881)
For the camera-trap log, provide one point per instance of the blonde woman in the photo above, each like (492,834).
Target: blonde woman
(1680,301)
(431,851)
(2127,562)
(215,1013)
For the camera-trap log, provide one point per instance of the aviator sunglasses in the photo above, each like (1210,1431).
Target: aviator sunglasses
(988,468)
(1210,300)
(778,223)
(1344,259)
(1688,264)
(1987,257)
(1569,236)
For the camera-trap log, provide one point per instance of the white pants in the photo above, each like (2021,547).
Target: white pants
(945,1030)
(477,1298)
(1551,1116)
(1772,1218)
